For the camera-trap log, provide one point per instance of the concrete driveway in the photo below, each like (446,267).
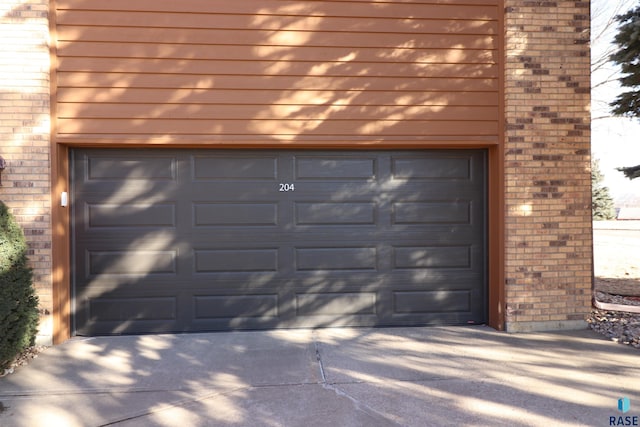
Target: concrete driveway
(442,376)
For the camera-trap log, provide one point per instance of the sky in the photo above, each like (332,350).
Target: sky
(615,141)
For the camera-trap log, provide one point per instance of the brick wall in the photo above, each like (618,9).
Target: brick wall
(24,134)
(548,259)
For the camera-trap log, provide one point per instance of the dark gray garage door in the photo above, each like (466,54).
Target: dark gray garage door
(199,240)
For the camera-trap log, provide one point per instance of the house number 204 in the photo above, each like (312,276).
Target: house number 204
(285,188)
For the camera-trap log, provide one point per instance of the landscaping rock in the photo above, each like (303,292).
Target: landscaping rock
(620,326)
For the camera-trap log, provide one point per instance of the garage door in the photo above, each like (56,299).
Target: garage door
(202,240)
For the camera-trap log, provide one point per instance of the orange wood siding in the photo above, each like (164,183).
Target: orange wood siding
(273,70)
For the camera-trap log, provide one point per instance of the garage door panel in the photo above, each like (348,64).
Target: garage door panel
(228,168)
(357,238)
(336,304)
(128,192)
(133,309)
(418,190)
(236,260)
(220,284)
(134,195)
(429,302)
(444,237)
(436,278)
(330,280)
(329,168)
(131,262)
(431,257)
(318,259)
(412,193)
(235,307)
(449,212)
(130,327)
(322,213)
(230,213)
(133,215)
(431,168)
(116,313)
(130,287)
(116,168)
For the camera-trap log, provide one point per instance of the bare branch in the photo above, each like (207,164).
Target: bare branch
(593,119)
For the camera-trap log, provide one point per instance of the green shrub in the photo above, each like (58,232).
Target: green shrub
(18,302)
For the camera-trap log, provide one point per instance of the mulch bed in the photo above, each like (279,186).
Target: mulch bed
(23,359)
(618,325)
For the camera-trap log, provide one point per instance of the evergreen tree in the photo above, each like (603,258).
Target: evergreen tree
(18,302)
(627,56)
(601,201)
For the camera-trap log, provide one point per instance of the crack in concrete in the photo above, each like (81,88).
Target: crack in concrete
(357,404)
(316,344)
(176,404)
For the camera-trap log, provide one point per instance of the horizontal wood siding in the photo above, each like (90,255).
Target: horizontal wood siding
(277,70)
